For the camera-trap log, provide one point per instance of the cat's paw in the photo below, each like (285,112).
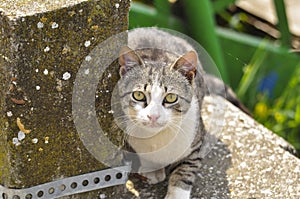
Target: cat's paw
(155,177)
(177,193)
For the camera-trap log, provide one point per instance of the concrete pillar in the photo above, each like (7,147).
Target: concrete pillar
(42,45)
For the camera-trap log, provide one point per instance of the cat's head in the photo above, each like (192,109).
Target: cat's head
(155,94)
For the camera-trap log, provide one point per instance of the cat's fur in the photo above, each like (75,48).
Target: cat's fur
(164,135)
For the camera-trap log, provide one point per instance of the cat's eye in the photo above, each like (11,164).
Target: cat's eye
(139,96)
(171,98)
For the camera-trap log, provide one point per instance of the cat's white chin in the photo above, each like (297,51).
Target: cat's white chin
(152,131)
(149,130)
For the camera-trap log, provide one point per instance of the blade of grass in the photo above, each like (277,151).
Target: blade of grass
(283,24)
(221,5)
(163,7)
(251,71)
(142,15)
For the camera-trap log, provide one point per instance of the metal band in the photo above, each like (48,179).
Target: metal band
(71,185)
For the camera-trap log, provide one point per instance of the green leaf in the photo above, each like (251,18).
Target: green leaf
(297,114)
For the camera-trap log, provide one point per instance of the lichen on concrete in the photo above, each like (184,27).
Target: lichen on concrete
(43,44)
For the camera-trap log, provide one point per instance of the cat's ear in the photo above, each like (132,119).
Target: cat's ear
(187,65)
(128,59)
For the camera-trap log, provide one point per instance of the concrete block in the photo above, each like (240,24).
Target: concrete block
(42,45)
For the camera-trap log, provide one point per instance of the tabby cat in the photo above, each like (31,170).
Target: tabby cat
(161,88)
(161,91)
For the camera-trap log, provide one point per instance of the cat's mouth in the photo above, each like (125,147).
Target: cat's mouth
(153,125)
(147,129)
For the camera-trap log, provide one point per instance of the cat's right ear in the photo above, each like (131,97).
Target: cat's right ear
(128,59)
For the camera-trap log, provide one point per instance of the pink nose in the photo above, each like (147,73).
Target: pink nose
(153,118)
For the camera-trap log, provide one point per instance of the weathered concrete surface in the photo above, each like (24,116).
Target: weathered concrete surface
(248,161)
(42,45)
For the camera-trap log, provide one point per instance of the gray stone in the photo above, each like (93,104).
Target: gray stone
(42,45)
(247,161)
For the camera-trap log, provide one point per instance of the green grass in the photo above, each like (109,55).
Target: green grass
(281,114)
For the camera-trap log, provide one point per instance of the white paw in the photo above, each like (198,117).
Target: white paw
(155,176)
(177,193)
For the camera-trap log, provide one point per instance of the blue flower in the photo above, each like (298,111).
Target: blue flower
(268,83)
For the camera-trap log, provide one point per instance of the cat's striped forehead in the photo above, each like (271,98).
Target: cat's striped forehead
(156,56)
(145,77)
(154,86)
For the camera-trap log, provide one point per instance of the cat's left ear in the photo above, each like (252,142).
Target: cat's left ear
(128,59)
(187,65)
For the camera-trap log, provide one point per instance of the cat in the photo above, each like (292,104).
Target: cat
(161,95)
(162,85)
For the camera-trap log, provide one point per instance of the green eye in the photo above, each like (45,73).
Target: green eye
(139,96)
(171,98)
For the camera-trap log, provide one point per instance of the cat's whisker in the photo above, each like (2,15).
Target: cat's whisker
(181,129)
(124,124)
(130,129)
(182,117)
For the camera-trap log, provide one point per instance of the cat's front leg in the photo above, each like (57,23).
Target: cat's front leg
(182,178)
(177,193)
(154,177)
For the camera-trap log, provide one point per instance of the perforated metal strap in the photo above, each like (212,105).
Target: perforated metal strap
(71,185)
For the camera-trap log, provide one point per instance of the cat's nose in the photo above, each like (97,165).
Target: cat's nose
(153,118)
